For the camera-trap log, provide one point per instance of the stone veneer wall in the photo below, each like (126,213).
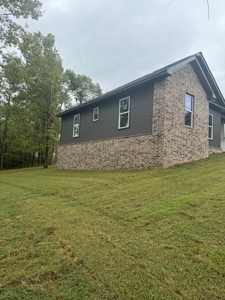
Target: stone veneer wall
(119,153)
(171,142)
(182,143)
(214,150)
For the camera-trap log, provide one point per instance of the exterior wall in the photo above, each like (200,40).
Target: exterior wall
(119,153)
(181,143)
(141,105)
(223,134)
(216,127)
(171,142)
(138,151)
(214,150)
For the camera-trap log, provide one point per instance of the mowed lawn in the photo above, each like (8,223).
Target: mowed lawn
(127,234)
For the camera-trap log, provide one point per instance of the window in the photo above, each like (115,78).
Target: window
(210,126)
(96,114)
(76,126)
(188,110)
(124,113)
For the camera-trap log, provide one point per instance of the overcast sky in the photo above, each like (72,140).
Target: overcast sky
(114,42)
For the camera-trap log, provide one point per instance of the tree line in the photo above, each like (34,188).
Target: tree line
(34,87)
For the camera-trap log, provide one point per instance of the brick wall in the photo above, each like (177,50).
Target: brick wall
(171,142)
(119,153)
(182,143)
(214,150)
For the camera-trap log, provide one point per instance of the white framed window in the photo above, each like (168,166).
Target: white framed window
(95,114)
(188,110)
(124,113)
(210,127)
(76,125)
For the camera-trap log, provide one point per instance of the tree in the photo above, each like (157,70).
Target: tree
(33,89)
(9,87)
(81,87)
(43,92)
(10,31)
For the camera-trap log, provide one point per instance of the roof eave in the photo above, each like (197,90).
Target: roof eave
(162,75)
(194,62)
(202,60)
(197,61)
(204,81)
(217,105)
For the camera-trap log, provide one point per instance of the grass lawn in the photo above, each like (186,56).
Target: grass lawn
(157,234)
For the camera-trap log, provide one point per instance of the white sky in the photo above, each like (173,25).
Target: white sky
(117,41)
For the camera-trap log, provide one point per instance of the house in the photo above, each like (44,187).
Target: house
(173,115)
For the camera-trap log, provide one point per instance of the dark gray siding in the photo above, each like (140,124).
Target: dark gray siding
(216,127)
(141,105)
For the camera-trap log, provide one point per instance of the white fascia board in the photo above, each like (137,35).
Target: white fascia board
(181,65)
(211,75)
(186,62)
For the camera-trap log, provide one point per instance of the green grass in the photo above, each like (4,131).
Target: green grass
(113,234)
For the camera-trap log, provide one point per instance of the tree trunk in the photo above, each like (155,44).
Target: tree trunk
(39,158)
(48,125)
(46,152)
(3,148)
(1,161)
(32,159)
(25,159)
(52,151)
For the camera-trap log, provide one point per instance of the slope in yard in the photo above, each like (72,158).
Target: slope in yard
(113,234)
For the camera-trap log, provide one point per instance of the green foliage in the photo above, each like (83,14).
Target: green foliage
(81,87)
(43,88)
(31,93)
(11,74)
(114,234)
(9,86)
(10,9)
(21,8)
(33,89)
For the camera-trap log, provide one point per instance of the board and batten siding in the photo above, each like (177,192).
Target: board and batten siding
(216,141)
(141,112)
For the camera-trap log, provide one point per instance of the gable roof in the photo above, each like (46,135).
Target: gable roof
(200,66)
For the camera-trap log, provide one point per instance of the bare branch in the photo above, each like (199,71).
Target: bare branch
(170,2)
(208,8)
(5,14)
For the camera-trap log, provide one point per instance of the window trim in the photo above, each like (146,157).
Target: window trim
(94,120)
(128,124)
(76,136)
(211,126)
(191,111)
